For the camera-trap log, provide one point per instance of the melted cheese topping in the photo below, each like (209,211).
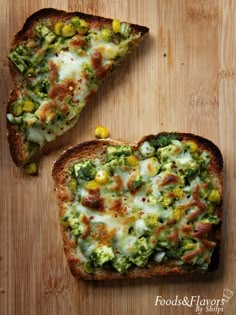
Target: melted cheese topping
(70,65)
(146,210)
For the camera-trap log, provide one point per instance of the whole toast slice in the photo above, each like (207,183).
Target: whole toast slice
(57,61)
(140,210)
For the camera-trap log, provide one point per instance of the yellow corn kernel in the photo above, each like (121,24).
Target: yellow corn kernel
(101,132)
(193,147)
(178,192)
(106,34)
(101,177)
(31,168)
(28,106)
(167,201)
(92,185)
(132,160)
(116,26)
(151,220)
(177,214)
(58,28)
(189,246)
(73,184)
(83,27)
(68,30)
(214,196)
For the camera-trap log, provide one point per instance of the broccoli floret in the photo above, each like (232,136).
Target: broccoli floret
(163,140)
(18,61)
(74,221)
(113,152)
(142,253)
(85,170)
(121,263)
(102,255)
(44,33)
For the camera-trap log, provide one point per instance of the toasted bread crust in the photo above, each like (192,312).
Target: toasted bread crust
(18,149)
(96,149)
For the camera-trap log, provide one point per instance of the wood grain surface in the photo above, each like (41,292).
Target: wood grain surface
(182,78)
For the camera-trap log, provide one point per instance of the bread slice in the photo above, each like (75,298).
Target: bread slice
(57,61)
(140,210)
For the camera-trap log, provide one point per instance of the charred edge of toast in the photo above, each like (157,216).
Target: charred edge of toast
(15,139)
(94,147)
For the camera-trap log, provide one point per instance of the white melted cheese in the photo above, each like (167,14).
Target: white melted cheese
(126,244)
(183,159)
(149,167)
(38,135)
(70,65)
(146,149)
(109,51)
(107,219)
(140,227)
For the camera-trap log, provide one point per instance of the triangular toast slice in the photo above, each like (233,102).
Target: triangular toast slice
(57,61)
(140,210)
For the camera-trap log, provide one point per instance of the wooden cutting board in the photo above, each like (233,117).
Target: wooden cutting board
(181,78)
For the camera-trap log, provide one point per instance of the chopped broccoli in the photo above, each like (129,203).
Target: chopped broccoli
(163,140)
(142,252)
(85,170)
(113,152)
(102,255)
(43,32)
(74,221)
(121,263)
(18,61)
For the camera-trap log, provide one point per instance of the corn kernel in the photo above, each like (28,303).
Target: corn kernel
(83,27)
(178,192)
(106,34)
(92,185)
(73,184)
(167,200)
(116,26)
(68,30)
(151,220)
(31,168)
(177,214)
(101,132)
(132,160)
(28,106)
(101,177)
(192,146)
(58,27)
(189,246)
(214,196)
